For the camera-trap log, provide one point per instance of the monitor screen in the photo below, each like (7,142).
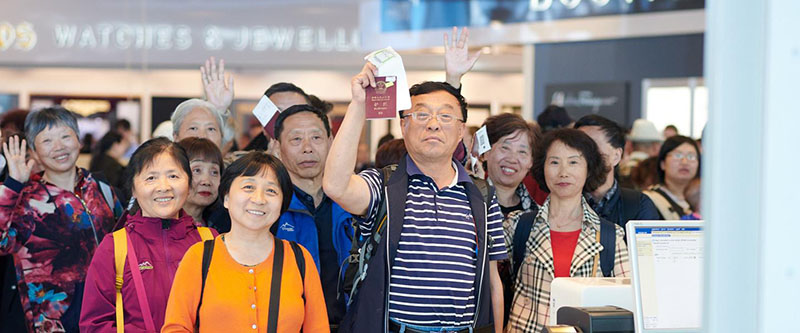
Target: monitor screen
(668,267)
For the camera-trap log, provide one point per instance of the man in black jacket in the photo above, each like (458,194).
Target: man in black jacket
(610,201)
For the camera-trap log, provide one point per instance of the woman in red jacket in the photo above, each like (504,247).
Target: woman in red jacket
(157,236)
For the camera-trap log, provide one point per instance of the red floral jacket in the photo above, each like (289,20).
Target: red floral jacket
(52,234)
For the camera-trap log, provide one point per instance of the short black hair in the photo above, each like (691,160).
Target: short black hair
(253,163)
(553,117)
(295,109)
(318,103)
(286,87)
(668,146)
(596,169)
(615,135)
(122,124)
(146,154)
(202,149)
(428,87)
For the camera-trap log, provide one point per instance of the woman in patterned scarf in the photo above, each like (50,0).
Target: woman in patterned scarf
(564,238)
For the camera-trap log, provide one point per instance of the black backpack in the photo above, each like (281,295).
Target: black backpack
(364,247)
(608,238)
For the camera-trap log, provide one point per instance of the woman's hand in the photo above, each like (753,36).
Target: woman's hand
(457,58)
(18,167)
(217,91)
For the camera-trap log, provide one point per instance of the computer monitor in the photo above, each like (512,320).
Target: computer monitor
(667,268)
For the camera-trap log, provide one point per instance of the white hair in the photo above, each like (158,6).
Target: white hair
(183,109)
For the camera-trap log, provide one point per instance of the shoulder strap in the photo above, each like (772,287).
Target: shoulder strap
(675,206)
(208,252)
(138,284)
(521,234)
(107,194)
(485,189)
(301,265)
(205,233)
(630,204)
(608,238)
(275,287)
(120,252)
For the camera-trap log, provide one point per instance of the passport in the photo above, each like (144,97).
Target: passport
(381,101)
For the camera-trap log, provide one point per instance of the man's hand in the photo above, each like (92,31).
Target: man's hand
(457,58)
(217,91)
(18,167)
(363,79)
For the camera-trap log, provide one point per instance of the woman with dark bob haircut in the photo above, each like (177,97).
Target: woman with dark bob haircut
(205,161)
(565,232)
(221,284)
(678,164)
(153,242)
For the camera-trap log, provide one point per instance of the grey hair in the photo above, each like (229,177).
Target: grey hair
(38,121)
(183,109)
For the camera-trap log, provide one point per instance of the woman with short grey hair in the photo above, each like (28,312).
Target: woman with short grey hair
(201,119)
(51,222)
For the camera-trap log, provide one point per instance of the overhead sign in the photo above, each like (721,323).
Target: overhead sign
(178,33)
(608,99)
(434,14)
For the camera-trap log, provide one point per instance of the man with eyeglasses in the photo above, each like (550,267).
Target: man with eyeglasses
(435,265)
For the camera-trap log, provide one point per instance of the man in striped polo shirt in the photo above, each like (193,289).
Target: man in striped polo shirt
(435,266)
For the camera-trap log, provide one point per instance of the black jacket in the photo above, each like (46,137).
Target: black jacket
(627,204)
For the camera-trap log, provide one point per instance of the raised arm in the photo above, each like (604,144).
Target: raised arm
(457,58)
(14,230)
(339,182)
(217,91)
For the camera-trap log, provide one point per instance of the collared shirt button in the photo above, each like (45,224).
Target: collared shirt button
(250,271)
(254,288)
(254,326)
(253,306)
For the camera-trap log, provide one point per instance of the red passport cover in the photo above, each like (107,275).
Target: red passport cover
(381,101)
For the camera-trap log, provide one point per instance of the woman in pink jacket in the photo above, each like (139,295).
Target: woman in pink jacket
(158,235)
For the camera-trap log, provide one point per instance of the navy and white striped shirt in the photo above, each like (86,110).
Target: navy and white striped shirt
(432,280)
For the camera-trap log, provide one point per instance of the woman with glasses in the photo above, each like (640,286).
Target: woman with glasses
(678,164)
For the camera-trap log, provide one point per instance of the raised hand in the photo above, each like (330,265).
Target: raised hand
(18,167)
(218,92)
(457,58)
(363,79)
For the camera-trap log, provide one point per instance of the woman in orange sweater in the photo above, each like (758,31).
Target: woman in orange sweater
(254,282)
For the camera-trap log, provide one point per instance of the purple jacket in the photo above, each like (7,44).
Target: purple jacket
(160,246)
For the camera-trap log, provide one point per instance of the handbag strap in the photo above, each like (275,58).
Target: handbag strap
(275,288)
(139,286)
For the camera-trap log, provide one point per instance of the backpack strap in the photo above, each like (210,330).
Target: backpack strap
(205,233)
(107,194)
(208,252)
(521,234)
(122,249)
(301,265)
(275,287)
(608,238)
(120,252)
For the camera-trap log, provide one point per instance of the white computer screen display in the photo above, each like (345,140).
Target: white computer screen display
(669,267)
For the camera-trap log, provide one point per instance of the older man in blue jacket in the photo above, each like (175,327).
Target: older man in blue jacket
(313,220)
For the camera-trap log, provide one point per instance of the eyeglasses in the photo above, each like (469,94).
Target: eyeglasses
(689,156)
(424,117)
